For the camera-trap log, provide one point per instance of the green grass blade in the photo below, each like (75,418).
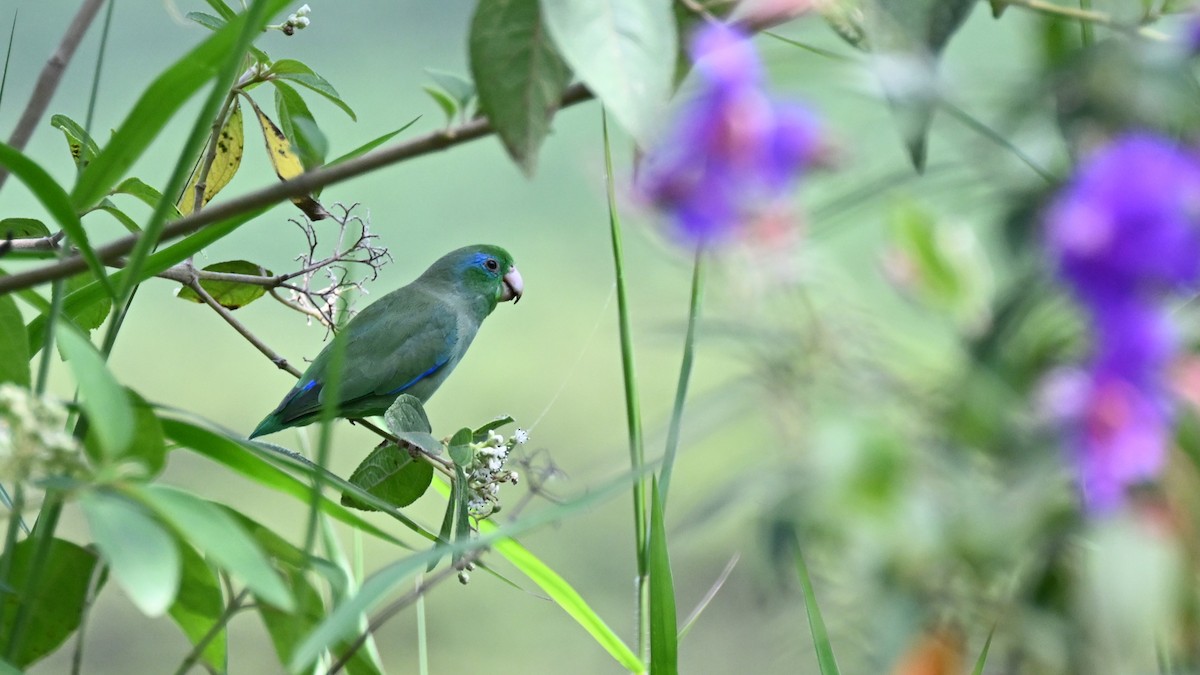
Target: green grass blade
(664,629)
(8,55)
(56,201)
(232,454)
(820,636)
(633,415)
(341,622)
(983,655)
(567,598)
(685,374)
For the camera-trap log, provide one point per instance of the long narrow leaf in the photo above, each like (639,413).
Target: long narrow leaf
(83,298)
(231,454)
(664,629)
(566,597)
(342,621)
(219,536)
(160,101)
(56,201)
(820,636)
(107,404)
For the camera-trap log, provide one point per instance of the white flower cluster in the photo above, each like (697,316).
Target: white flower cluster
(297,21)
(487,472)
(32,436)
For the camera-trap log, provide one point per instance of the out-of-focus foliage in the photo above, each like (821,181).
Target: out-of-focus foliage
(940,395)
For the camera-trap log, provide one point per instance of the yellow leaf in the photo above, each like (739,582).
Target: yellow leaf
(226,162)
(286,161)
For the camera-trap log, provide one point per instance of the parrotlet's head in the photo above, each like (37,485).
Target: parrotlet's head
(481,270)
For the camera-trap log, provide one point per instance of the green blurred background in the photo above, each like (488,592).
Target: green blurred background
(551,362)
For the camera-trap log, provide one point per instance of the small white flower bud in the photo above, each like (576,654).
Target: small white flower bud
(304,10)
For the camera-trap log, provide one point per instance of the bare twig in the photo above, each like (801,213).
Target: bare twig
(282,364)
(279,361)
(320,302)
(300,185)
(51,74)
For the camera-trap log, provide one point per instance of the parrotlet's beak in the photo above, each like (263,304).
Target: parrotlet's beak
(513,286)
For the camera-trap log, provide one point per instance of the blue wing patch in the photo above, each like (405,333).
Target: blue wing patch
(418,378)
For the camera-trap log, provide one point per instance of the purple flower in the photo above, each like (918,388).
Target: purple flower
(732,151)
(1124,233)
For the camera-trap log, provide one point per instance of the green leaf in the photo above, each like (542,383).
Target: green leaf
(230,294)
(462,519)
(816,624)
(104,401)
(391,474)
(23,228)
(298,124)
(91,317)
(138,188)
(458,87)
(221,8)
(287,629)
(460,448)
(156,106)
(407,414)
(623,50)
(199,605)
(907,36)
(481,433)
(519,74)
(566,597)
(446,530)
(14,349)
(148,446)
(56,201)
(220,538)
(304,76)
(156,263)
(981,662)
(143,556)
(207,20)
(79,141)
(110,208)
(233,455)
(664,631)
(56,605)
(342,621)
(372,144)
(445,102)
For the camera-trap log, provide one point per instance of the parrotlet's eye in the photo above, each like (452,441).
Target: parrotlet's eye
(491,264)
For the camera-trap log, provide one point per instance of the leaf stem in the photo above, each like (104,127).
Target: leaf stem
(43,534)
(234,606)
(1088,16)
(637,455)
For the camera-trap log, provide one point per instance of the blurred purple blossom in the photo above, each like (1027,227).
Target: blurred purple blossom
(1124,233)
(731,152)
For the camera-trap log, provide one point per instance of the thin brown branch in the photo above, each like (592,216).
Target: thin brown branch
(279,361)
(51,74)
(303,184)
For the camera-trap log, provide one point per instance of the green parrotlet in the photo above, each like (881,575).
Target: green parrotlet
(408,341)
